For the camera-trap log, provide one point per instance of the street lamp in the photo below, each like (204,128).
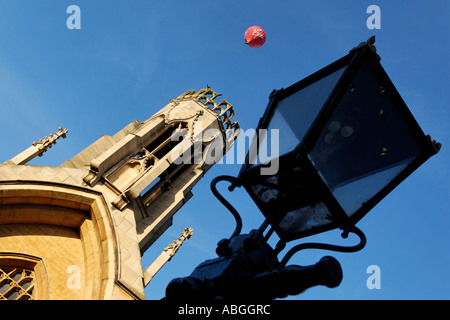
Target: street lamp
(346,139)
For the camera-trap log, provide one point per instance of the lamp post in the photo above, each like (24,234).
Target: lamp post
(347,139)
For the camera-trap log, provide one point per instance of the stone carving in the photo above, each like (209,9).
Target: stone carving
(166,255)
(144,158)
(38,148)
(47,142)
(172,248)
(207,96)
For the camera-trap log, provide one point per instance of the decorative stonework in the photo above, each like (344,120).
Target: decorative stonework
(38,148)
(207,96)
(47,142)
(16,283)
(172,248)
(166,255)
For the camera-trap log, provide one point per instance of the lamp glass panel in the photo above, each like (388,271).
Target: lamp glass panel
(365,144)
(295,199)
(306,218)
(293,117)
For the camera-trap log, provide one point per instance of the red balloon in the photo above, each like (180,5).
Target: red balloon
(255,37)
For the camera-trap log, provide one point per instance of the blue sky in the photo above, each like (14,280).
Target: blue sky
(131,57)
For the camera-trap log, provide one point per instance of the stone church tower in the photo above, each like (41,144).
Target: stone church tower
(79,230)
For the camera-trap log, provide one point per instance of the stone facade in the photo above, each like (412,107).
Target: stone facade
(79,230)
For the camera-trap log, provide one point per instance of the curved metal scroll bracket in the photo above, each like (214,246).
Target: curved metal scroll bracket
(325,246)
